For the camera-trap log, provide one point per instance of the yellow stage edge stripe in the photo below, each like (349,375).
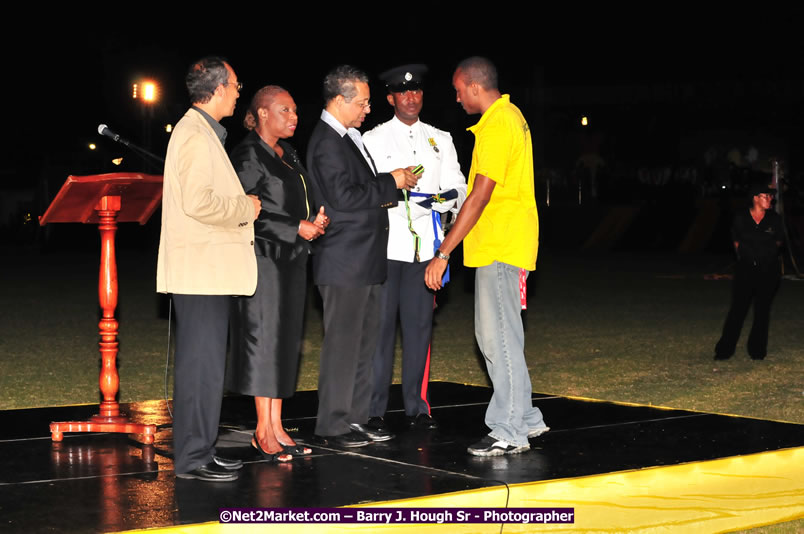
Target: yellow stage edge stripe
(721,495)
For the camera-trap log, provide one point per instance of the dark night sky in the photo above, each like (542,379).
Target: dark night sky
(59,93)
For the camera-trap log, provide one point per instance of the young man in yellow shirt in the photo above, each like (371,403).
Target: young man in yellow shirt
(500,224)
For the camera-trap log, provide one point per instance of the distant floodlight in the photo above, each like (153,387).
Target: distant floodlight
(146,90)
(584,121)
(149,91)
(92,146)
(117,161)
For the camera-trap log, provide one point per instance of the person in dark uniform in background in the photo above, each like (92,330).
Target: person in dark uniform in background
(757,236)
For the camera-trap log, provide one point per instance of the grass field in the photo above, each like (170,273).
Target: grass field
(634,328)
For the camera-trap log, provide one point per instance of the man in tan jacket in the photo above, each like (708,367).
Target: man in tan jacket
(206,254)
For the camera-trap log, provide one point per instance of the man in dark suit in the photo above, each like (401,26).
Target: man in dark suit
(349,262)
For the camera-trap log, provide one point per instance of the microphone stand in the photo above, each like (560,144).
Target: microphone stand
(145,153)
(137,149)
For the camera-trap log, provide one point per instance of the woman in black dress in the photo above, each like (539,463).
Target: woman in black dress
(267,327)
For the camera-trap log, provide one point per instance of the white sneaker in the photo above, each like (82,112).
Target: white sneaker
(489,446)
(536,432)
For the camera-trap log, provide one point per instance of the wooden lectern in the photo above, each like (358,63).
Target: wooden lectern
(105,200)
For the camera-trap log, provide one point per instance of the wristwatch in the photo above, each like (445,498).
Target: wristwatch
(439,254)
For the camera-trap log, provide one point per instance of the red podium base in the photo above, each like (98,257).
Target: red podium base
(123,426)
(99,199)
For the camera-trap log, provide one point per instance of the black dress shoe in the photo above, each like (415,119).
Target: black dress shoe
(377,424)
(423,421)
(371,434)
(228,463)
(350,439)
(210,472)
(321,441)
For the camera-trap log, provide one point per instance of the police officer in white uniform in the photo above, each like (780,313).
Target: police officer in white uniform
(414,234)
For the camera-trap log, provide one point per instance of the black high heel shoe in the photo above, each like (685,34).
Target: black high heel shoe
(296,450)
(276,457)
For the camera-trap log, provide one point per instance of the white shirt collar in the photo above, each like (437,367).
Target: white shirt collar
(327,117)
(353,133)
(401,125)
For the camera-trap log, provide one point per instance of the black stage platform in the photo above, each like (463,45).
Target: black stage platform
(108,482)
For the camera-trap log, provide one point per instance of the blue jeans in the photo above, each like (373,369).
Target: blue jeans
(501,337)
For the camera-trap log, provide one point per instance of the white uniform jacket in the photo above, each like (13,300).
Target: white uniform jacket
(395,145)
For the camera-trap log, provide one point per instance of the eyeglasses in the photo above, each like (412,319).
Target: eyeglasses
(238,85)
(364,105)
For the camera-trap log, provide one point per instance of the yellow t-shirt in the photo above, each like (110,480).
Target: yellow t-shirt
(508,228)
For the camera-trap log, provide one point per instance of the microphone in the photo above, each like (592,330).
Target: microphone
(104,130)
